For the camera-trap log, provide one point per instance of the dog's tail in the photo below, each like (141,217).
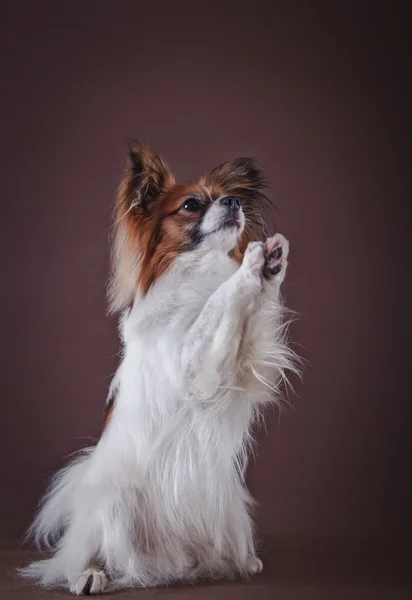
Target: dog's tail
(56,506)
(52,519)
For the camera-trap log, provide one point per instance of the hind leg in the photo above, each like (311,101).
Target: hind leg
(77,550)
(254,564)
(91,581)
(71,566)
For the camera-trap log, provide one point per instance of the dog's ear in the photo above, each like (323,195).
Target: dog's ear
(240,177)
(146,179)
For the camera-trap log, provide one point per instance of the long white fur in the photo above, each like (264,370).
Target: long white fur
(162,495)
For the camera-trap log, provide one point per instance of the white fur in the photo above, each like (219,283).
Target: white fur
(162,495)
(214,219)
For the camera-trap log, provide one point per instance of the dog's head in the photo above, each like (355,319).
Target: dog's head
(157,219)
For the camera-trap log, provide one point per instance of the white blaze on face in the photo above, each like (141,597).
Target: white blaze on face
(214,225)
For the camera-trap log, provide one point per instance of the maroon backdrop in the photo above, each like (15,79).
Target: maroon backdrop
(319,96)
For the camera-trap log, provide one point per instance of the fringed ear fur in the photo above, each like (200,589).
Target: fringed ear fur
(150,177)
(146,179)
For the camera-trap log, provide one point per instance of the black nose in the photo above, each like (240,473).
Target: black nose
(231,202)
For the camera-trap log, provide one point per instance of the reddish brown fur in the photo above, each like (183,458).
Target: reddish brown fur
(108,415)
(167,233)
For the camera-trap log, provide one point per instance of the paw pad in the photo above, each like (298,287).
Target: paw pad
(275,251)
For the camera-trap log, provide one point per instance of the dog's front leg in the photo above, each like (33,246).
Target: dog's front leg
(212,342)
(276,250)
(266,356)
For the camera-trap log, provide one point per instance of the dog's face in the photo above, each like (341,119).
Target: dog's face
(157,219)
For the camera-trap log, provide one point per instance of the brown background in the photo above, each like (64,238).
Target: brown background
(319,96)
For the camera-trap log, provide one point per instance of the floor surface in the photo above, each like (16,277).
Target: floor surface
(294,569)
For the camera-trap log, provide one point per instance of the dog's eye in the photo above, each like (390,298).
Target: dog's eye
(191,205)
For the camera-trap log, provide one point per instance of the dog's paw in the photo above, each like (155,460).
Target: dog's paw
(91,581)
(276,250)
(254,565)
(254,258)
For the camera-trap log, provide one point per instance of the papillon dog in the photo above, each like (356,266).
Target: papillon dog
(162,495)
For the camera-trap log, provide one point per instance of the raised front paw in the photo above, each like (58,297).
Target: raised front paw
(276,250)
(254,259)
